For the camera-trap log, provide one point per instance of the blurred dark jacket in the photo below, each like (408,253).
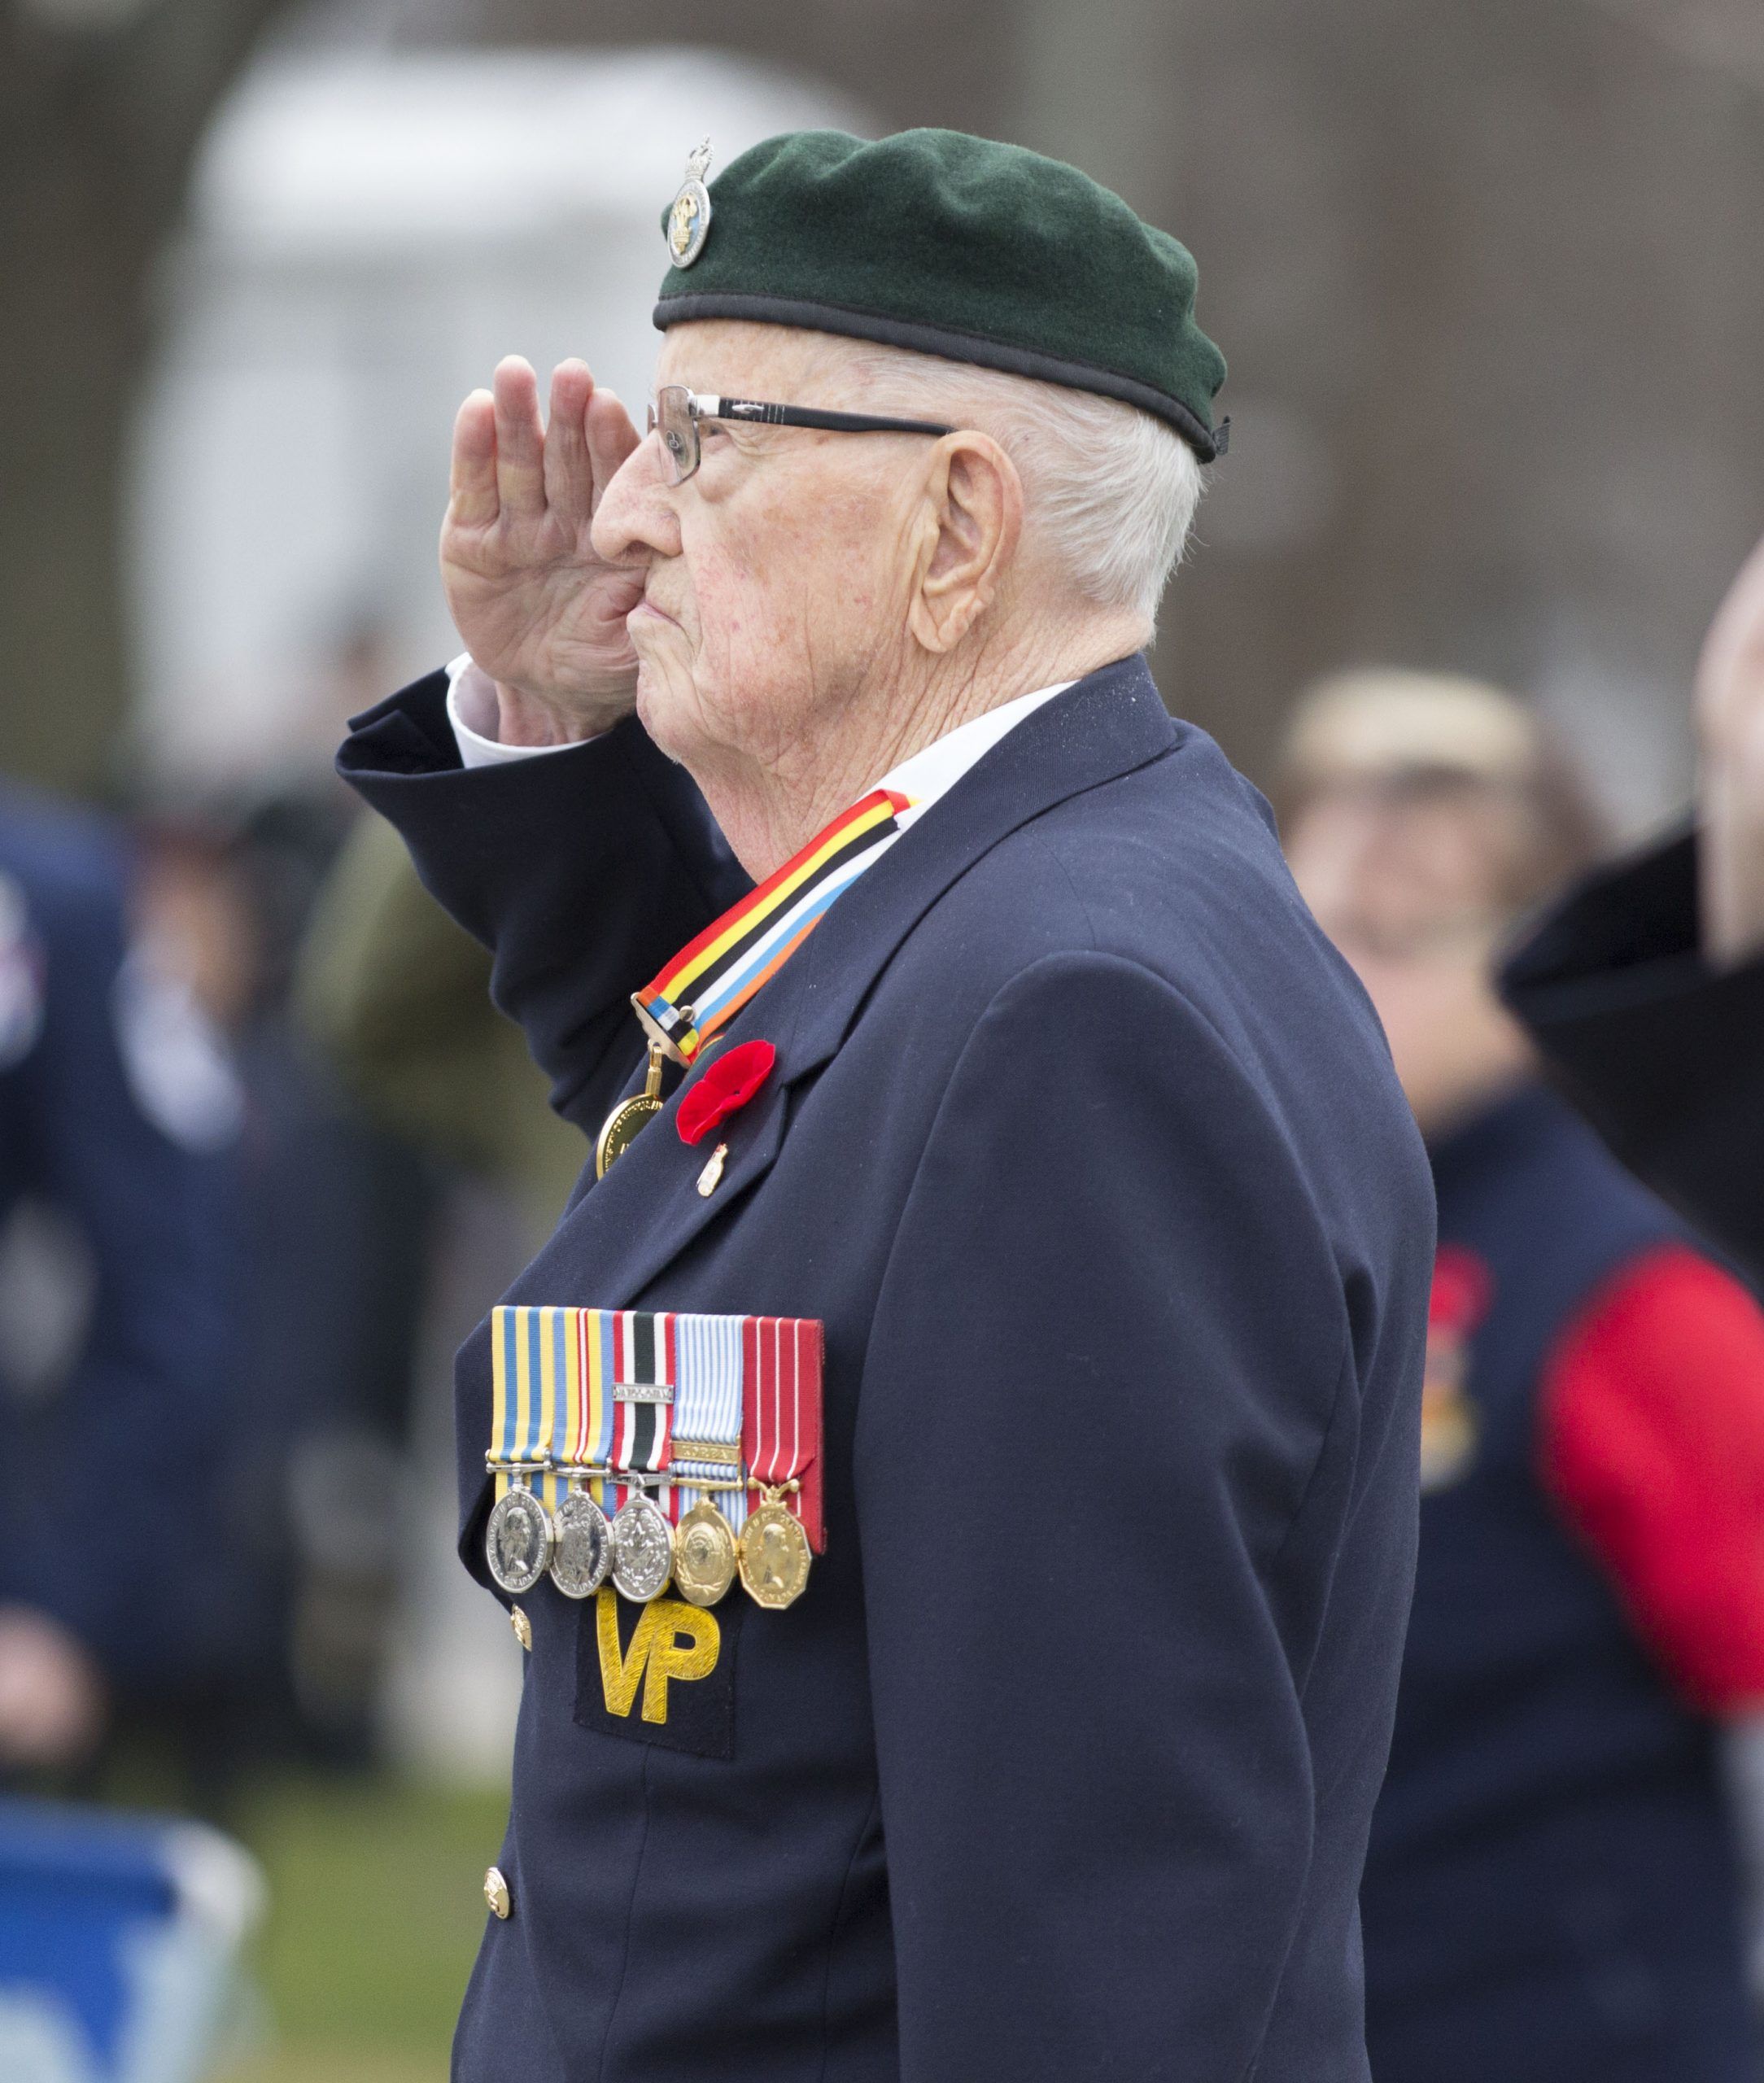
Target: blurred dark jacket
(112,1121)
(1551,1894)
(1661,1052)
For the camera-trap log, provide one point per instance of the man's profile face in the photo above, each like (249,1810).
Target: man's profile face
(776,576)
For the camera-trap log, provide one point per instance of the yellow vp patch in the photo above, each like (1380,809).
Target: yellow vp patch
(662,1673)
(672,1639)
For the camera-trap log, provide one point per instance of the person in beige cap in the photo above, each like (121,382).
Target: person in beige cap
(1553,1890)
(1423,813)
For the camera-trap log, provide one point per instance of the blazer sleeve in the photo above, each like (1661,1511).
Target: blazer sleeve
(1109,1347)
(1663,1054)
(582,872)
(1653,1444)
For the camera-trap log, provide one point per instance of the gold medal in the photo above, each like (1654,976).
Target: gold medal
(774,1554)
(704,1555)
(629,1118)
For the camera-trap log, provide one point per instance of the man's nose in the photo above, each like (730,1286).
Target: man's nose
(635,516)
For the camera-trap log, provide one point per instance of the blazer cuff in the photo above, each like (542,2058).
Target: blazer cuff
(1658,1047)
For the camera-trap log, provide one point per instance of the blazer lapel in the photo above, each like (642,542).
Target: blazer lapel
(633,1223)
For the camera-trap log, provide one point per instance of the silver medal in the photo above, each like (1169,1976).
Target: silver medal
(584,1550)
(642,1551)
(518,1538)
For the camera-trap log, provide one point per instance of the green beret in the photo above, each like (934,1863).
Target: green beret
(953,246)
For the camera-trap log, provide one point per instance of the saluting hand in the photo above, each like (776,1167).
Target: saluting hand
(1730,689)
(538,611)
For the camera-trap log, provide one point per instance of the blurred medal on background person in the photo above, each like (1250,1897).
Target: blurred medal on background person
(519,1537)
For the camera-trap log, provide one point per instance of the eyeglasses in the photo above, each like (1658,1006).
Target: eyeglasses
(677,413)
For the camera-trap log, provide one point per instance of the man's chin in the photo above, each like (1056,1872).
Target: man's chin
(663,709)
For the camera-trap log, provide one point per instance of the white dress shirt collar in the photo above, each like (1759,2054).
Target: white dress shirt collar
(927,774)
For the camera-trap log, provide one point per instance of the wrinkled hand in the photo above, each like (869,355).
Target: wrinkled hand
(539,611)
(1730,698)
(52,1696)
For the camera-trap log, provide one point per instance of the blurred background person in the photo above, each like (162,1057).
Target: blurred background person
(399,998)
(1556,1887)
(120,1120)
(332,1228)
(1646,986)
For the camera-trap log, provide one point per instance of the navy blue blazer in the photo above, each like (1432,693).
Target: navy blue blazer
(1086,1148)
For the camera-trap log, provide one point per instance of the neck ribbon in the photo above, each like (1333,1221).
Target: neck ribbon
(692,998)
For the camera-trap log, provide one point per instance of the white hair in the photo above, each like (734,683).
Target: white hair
(1109,491)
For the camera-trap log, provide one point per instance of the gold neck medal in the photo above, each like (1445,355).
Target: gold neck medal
(630,1117)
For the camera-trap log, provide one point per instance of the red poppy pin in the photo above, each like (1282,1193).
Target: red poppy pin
(725,1085)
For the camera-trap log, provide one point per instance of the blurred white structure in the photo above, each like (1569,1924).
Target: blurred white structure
(369,233)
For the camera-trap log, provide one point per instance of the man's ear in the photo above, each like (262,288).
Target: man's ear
(974,520)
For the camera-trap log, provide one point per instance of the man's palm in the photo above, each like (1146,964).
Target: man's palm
(1730,677)
(538,611)
(1731,705)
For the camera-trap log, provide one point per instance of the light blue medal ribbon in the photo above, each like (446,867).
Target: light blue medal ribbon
(707,1414)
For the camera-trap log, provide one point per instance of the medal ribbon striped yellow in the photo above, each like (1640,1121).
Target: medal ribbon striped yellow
(712,978)
(527,1350)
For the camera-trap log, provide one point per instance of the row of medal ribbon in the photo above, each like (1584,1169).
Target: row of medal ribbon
(696,1411)
(638,1548)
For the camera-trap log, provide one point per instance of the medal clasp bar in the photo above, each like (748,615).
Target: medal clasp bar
(657,1035)
(642,1392)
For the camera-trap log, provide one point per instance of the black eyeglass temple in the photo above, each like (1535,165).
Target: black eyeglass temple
(750,409)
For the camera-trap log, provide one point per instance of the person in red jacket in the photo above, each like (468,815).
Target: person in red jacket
(1557,1881)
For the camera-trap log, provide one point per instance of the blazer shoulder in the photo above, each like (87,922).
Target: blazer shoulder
(1175,865)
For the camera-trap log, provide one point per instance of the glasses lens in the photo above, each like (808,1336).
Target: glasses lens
(672,416)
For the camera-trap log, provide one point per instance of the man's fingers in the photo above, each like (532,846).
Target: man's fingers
(569,480)
(520,437)
(472,486)
(1730,671)
(611,438)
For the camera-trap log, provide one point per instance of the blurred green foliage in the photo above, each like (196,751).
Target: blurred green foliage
(375,1914)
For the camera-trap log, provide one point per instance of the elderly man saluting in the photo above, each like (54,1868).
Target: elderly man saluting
(953,1469)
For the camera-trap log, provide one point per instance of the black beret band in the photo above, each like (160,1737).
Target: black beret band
(954,347)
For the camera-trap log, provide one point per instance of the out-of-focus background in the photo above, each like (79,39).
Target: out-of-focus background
(1488,280)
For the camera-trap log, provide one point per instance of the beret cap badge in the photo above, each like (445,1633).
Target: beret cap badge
(688,217)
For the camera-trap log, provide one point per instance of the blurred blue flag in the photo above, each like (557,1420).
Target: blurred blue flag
(120,1940)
